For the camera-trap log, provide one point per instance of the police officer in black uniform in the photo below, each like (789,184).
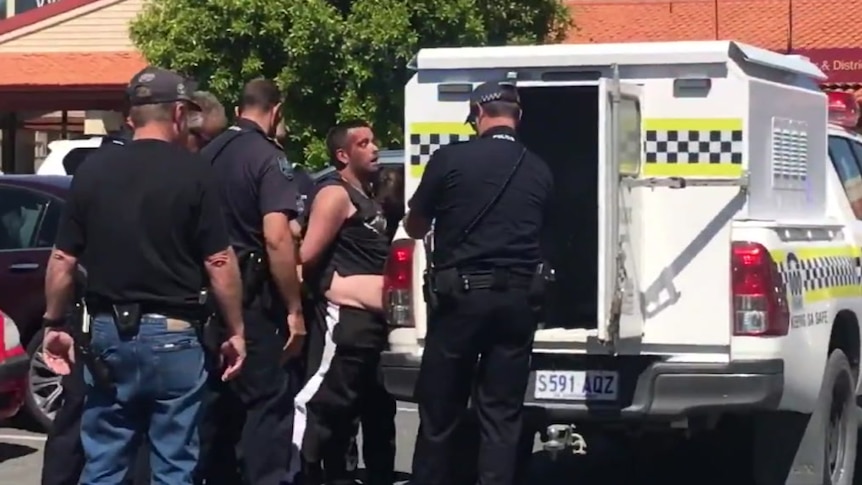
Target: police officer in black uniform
(248,428)
(487,199)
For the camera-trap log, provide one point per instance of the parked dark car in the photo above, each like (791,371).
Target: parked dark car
(13,369)
(30,208)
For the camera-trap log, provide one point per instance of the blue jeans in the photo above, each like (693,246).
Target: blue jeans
(160,377)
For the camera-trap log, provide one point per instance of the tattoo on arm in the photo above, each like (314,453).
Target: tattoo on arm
(59,284)
(223,270)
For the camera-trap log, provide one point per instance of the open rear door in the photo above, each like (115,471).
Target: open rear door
(620,153)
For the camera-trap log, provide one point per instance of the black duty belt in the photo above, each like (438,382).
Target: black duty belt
(183,312)
(497,280)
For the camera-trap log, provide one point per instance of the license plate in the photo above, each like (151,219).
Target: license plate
(592,385)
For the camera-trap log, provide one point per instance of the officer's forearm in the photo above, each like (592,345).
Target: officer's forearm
(226,283)
(415,225)
(283,267)
(59,284)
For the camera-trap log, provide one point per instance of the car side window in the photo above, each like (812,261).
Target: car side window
(847,166)
(20,212)
(50,225)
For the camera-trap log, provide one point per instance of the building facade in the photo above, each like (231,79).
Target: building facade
(63,68)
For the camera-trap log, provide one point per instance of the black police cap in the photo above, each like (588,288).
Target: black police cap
(492,91)
(154,85)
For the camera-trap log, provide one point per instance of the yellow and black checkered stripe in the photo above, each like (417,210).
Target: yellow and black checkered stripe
(813,275)
(426,137)
(693,147)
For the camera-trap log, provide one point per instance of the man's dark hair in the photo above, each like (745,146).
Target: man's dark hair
(336,138)
(262,94)
(507,109)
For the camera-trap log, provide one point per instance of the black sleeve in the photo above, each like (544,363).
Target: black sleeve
(278,190)
(211,232)
(427,196)
(71,236)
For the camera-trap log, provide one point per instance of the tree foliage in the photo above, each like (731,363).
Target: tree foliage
(335,59)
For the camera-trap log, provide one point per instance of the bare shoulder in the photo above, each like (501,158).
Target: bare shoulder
(331,195)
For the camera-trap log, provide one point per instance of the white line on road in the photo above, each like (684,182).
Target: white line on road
(21,437)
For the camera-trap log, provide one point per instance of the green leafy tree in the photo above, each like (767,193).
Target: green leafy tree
(335,59)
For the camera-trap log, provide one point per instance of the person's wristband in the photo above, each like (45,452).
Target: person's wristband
(53,322)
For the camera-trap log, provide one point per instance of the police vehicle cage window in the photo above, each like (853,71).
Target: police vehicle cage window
(847,165)
(20,213)
(630,136)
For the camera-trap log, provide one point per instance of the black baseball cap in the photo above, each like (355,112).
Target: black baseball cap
(492,91)
(154,85)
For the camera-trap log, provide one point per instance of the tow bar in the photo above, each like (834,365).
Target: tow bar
(563,436)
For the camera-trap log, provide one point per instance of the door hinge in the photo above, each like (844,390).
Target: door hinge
(684,182)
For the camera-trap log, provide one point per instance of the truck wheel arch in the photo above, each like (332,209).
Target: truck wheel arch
(845,336)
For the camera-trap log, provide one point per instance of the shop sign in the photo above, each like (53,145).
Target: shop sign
(22,6)
(842,65)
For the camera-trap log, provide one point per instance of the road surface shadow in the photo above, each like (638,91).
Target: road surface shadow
(400,477)
(22,421)
(10,451)
(649,461)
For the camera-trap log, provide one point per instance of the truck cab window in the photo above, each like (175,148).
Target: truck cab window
(847,165)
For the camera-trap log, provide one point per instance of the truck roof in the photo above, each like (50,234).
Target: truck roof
(635,53)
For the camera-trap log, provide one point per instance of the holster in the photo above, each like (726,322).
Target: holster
(440,285)
(100,370)
(127,318)
(542,276)
(254,273)
(429,291)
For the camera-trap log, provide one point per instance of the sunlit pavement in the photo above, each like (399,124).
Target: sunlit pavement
(20,455)
(21,460)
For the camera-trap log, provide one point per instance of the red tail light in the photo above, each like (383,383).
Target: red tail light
(4,322)
(759,294)
(398,283)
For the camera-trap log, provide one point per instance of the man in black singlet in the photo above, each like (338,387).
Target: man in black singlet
(343,255)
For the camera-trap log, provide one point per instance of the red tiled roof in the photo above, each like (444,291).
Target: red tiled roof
(68,69)
(771,24)
(822,24)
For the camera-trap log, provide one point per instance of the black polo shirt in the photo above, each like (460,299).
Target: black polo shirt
(142,218)
(254,179)
(461,179)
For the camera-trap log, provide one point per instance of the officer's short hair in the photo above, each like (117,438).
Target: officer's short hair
(262,94)
(151,113)
(506,109)
(337,137)
(214,117)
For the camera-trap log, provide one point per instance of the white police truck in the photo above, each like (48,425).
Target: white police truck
(705,247)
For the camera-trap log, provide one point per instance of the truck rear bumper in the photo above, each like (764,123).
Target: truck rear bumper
(649,387)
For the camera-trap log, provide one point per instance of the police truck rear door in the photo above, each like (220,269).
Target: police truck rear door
(620,151)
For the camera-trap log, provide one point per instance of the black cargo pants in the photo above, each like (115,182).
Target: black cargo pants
(247,425)
(494,329)
(63,459)
(343,389)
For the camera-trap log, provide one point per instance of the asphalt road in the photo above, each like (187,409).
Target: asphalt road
(607,462)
